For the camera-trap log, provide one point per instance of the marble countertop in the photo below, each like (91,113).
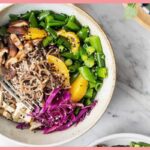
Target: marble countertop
(129,110)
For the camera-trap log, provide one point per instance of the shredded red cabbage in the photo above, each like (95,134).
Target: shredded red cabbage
(58,112)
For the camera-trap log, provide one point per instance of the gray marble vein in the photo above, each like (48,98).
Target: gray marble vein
(129,110)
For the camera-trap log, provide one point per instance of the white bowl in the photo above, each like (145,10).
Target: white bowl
(8,129)
(121,139)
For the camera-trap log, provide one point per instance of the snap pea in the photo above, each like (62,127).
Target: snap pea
(89,62)
(69,55)
(83,33)
(33,20)
(63,41)
(100,59)
(47,41)
(60,17)
(68,62)
(95,42)
(52,32)
(102,72)
(49,18)
(55,23)
(72,24)
(87,74)
(43,14)
(13,17)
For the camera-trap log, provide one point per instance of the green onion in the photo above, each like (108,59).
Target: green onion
(83,54)
(89,93)
(89,62)
(68,62)
(102,72)
(100,59)
(90,50)
(95,42)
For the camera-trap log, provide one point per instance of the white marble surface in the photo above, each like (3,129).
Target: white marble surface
(129,110)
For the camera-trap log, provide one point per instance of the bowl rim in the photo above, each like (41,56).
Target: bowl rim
(100,28)
(116,136)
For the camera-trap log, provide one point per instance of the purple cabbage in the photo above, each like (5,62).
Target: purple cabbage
(58,112)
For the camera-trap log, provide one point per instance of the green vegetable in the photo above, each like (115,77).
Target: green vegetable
(74,67)
(61,47)
(89,62)
(87,74)
(130,11)
(83,54)
(96,85)
(55,23)
(43,14)
(52,32)
(69,55)
(95,42)
(90,50)
(72,24)
(26,15)
(77,110)
(68,62)
(102,72)
(100,59)
(139,144)
(60,17)
(3,31)
(73,77)
(49,18)
(63,41)
(33,20)
(13,17)
(42,24)
(87,102)
(89,93)
(47,41)
(83,33)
